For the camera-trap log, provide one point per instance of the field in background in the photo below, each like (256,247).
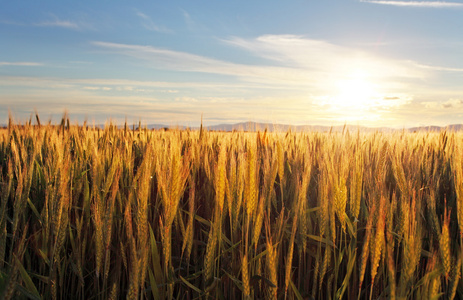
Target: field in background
(140,214)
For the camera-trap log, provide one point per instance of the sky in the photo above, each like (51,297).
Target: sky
(361,62)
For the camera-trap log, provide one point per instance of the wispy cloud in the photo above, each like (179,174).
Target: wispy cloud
(187,62)
(149,24)
(293,62)
(52,22)
(59,23)
(20,64)
(65,23)
(116,84)
(325,59)
(439,68)
(432,4)
(193,24)
(188,20)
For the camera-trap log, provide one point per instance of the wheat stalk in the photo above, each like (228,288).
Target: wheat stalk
(444,245)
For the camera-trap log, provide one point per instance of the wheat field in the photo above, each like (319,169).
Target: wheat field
(140,214)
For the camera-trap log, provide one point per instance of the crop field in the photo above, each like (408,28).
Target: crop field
(139,214)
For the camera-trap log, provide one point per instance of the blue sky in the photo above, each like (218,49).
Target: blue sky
(372,63)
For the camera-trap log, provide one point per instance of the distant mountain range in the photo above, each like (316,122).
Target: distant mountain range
(453,127)
(255,126)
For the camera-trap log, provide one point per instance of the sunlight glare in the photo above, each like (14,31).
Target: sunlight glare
(355,93)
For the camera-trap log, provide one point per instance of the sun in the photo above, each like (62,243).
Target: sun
(355,92)
(359,96)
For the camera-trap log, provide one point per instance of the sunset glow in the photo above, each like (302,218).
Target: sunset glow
(373,63)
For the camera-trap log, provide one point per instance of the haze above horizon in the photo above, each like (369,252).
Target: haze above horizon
(362,62)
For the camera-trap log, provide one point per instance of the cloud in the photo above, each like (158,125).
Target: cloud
(91,88)
(100,107)
(20,64)
(439,68)
(375,103)
(187,62)
(432,4)
(188,20)
(292,62)
(324,59)
(193,24)
(55,21)
(52,95)
(97,88)
(186,99)
(452,103)
(59,23)
(386,98)
(97,84)
(148,23)
(439,105)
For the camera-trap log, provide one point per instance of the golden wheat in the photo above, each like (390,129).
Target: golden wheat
(84,211)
